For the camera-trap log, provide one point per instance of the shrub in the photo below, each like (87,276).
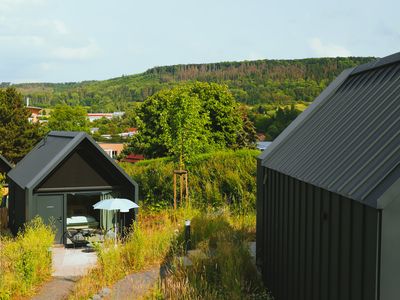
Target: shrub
(25,262)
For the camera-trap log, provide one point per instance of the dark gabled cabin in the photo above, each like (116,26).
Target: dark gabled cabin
(328,193)
(61,178)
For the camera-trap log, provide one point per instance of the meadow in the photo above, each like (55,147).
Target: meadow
(224,270)
(222,214)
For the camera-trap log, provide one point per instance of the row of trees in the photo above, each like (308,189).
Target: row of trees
(251,82)
(180,122)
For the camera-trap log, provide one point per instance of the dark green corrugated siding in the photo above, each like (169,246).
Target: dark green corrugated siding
(314,244)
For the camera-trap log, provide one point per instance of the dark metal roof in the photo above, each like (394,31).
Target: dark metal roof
(5,166)
(348,141)
(48,154)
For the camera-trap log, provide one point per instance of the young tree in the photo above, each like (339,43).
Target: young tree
(18,136)
(69,118)
(184,125)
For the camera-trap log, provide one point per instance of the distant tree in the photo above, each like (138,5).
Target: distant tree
(223,111)
(247,136)
(282,119)
(69,118)
(18,136)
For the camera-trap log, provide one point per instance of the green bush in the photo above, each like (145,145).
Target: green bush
(25,261)
(215,179)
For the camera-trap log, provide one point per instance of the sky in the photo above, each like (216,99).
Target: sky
(76,40)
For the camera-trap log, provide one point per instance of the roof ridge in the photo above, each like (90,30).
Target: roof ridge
(53,163)
(378,63)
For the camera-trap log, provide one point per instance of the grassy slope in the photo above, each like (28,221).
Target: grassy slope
(215,179)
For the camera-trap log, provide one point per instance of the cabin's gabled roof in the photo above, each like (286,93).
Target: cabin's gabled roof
(5,166)
(49,153)
(348,140)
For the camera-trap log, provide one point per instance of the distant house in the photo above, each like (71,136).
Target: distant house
(94,130)
(129,133)
(133,158)
(35,113)
(96,116)
(328,193)
(60,180)
(112,149)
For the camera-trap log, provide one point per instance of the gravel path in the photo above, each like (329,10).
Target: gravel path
(56,289)
(135,286)
(68,266)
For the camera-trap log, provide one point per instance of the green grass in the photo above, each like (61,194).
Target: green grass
(25,262)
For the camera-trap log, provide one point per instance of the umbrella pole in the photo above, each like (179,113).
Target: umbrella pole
(115,228)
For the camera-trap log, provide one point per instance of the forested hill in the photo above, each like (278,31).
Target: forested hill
(252,82)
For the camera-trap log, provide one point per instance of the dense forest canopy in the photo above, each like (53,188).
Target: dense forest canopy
(251,82)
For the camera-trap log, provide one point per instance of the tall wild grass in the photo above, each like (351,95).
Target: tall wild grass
(223,269)
(215,179)
(146,245)
(25,262)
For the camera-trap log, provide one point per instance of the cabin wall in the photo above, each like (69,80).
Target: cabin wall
(314,244)
(390,255)
(260,216)
(16,207)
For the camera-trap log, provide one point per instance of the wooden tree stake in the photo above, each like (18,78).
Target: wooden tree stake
(183,187)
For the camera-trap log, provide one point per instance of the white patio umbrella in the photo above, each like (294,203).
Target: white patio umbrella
(116,204)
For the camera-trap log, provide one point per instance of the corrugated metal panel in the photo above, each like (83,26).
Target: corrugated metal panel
(41,158)
(350,144)
(316,244)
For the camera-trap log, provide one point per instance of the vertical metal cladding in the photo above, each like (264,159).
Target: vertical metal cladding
(315,244)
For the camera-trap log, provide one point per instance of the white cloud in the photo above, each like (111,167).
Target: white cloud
(60,27)
(9,5)
(77,53)
(327,49)
(46,66)
(43,40)
(57,26)
(22,40)
(255,56)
